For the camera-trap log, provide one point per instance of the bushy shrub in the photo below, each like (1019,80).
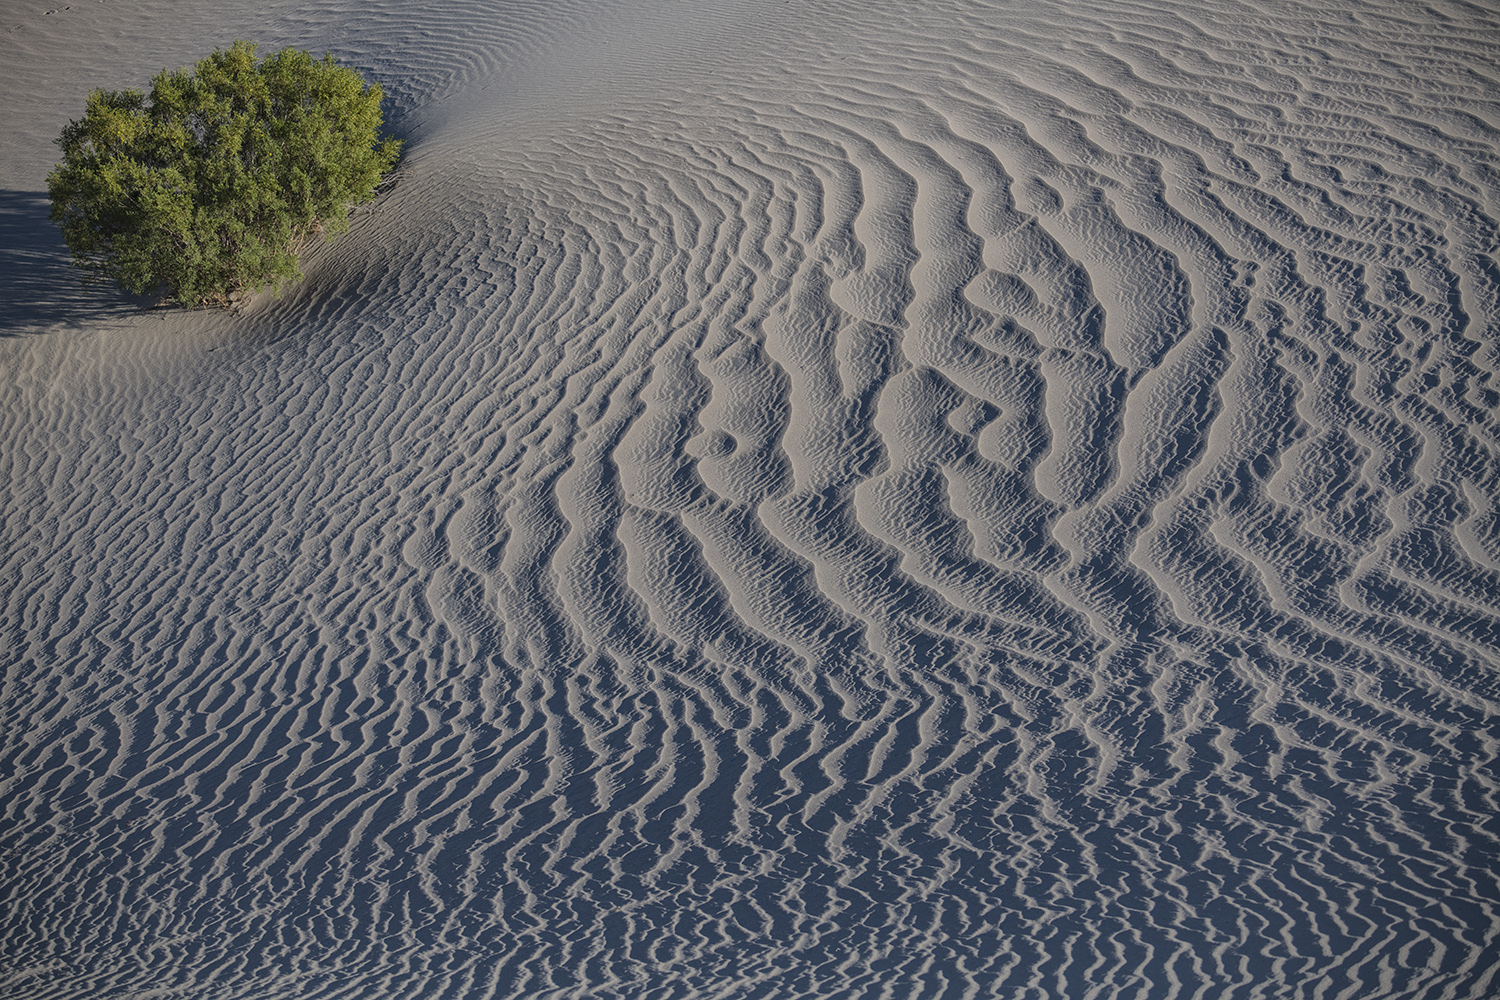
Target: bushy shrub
(211,185)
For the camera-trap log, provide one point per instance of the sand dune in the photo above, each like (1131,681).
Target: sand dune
(960,499)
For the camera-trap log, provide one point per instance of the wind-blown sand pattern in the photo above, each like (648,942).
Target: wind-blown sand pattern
(808,499)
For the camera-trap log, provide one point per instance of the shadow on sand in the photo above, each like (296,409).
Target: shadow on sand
(39,287)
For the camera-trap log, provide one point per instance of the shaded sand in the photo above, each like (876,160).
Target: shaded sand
(807,499)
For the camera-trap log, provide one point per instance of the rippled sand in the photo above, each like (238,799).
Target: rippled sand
(781,499)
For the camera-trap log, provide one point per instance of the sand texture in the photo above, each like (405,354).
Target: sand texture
(823,498)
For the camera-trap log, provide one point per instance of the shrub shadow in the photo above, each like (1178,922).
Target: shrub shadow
(39,286)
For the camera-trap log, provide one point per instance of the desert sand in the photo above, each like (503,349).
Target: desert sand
(781,498)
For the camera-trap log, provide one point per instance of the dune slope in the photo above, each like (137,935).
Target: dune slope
(796,499)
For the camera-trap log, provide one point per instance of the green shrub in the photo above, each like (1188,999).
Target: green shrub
(212,184)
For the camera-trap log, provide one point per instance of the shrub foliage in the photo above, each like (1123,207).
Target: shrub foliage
(213,183)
